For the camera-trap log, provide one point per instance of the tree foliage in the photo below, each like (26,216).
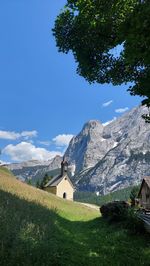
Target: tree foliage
(95,29)
(29,182)
(38,184)
(133,195)
(44,181)
(90,197)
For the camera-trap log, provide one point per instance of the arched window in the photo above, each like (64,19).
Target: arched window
(64,195)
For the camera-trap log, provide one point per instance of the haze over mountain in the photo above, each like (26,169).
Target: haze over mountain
(102,158)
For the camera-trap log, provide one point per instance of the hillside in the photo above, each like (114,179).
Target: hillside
(39,229)
(89,197)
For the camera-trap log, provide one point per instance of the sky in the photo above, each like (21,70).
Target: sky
(44,103)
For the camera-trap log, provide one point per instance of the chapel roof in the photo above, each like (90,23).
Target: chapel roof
(54,181)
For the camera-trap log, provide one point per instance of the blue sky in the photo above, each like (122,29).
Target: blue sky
(43,101)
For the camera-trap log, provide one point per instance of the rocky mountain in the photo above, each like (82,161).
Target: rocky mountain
(126,159)
(34,169)
(101,158)
(89,146)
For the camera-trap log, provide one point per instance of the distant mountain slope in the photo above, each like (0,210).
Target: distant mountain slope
(89,197)
(35,170)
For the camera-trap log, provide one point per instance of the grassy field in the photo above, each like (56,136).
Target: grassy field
(39,229)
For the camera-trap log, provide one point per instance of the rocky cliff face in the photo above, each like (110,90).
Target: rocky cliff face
(126,162)
(88,147)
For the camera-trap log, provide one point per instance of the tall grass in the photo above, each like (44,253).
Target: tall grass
(39,229)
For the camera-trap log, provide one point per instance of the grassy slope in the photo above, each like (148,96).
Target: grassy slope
(37,228)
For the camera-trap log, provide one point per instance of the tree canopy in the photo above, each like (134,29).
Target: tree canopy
(134,195)
(44,181)
(94,29)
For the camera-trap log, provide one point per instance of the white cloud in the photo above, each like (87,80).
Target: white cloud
(25,151)
(121,110)
(45,143)
(108,122)
(29,134)
(62,140)
(107,103)
(11,135)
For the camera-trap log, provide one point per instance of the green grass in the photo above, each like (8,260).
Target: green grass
(39,229)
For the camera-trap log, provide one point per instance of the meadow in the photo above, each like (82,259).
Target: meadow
(40,229)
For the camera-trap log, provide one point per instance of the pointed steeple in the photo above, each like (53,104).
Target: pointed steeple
(64,167)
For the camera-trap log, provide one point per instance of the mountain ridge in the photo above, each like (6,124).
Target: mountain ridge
(34,169)
(102,158)
(126,163)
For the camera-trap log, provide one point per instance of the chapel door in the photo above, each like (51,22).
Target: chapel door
(64,195)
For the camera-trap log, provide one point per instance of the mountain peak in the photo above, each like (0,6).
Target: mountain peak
(92,125)
(80,150)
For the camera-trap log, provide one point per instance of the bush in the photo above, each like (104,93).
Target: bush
(133,222)
(121,212)
(133,195)
(114,211)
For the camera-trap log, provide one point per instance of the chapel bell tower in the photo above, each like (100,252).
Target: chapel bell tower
(64,167)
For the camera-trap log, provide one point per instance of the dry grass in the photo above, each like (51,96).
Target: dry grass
(71,210)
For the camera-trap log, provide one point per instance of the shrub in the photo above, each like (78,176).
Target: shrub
(121,212)
(114,211)
(133,195)
(133,222)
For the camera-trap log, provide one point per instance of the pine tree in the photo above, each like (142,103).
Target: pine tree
(38,184)
(133,195)
(45,180)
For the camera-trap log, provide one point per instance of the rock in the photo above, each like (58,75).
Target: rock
(88,147)
(122,158)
